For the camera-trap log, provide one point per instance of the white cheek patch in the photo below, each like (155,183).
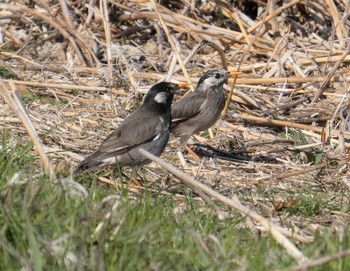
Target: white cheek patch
(211,81)
(161,98)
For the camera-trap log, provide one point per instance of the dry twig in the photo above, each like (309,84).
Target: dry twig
(279,237)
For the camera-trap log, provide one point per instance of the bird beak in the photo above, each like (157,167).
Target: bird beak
(183,85)
(233,73)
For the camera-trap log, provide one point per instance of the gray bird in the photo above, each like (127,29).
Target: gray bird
(147,128)
(200,109)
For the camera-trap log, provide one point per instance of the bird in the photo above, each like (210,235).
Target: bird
(148,128)
(200,109)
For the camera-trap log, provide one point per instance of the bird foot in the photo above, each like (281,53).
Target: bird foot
(136,182)
(194,155)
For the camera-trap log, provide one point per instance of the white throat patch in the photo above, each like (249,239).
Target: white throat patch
(161,98)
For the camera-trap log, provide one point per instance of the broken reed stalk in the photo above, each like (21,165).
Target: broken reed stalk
(55,67)
(300,172)
(331,74)
(277,122)
(10,120)
(68,87)
(270,16)
(300,62)
(173,46)
(257,81)
(66,13)
(107,30)
(340,29)
(13,101)
(189,181)
(305,128)
(250,44)
(53,23)
(282,80)
(252,81)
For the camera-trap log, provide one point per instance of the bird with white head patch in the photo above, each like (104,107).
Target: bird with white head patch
(200,109)
(147,128)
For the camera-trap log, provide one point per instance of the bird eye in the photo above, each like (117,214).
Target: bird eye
(217,75)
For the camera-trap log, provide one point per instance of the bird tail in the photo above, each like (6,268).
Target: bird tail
(89,162)
(85,165)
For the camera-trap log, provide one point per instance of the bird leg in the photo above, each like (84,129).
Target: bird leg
(194,155)
(136,182)
(134,177)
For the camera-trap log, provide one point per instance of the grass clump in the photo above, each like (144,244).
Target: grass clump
(49,226)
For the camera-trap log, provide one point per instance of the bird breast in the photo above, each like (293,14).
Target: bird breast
(162,128)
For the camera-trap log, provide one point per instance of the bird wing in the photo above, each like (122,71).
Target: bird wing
(188,107)
(132,132)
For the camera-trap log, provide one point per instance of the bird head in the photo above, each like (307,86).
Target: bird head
(162,93)
(214,77)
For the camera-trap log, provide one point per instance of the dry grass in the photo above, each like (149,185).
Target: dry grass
(82,68)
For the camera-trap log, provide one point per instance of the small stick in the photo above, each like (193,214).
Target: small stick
(171,68)
(247,99)
(320,261)
(9,120)
(334,133)
(160,42)
(133,11)
(302,171)
(220,52)
(278,122)
(107,29)
(26,43)
(269,17)
(299,172)
(270,122)
(66,15)
(279,237)
(339,27)
(236,18)
(90,12)
(287,106)
(190,55)
(330,74)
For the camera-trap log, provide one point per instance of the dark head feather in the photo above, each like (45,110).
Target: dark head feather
(163,87)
